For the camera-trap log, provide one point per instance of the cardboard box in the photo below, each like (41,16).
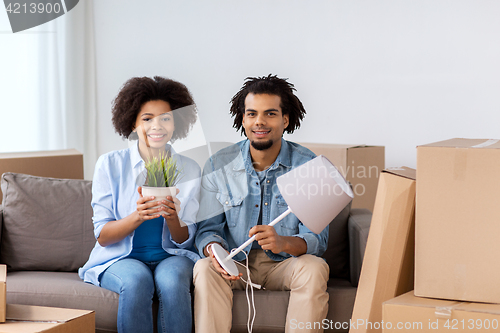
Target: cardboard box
(359,164)
(387,269)
(28,318)
(3,292)
(418,314)
(54,163)
(457,220)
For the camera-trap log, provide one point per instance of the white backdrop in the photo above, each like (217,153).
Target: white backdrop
(393,73)
(48,85)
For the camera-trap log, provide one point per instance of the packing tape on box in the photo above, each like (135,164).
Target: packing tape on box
(486,143)
(444,312)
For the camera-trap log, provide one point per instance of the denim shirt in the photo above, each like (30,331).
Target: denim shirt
(231,197)
(114,196)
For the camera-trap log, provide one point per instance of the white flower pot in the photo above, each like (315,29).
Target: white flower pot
(160,193)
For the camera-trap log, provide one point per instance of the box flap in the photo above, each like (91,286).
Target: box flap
(28,154)
(480,307)
(3,273)
(409,299)
(42,313)
(27,327)
(466,143)
(403,172)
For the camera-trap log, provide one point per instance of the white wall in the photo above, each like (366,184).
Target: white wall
(394,73)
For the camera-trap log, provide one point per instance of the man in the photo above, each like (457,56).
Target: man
(239,198)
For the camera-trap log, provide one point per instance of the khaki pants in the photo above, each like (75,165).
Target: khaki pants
(305,276)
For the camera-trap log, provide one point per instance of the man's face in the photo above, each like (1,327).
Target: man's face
(263,121)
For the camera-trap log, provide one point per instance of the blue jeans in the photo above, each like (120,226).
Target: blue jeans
(136,283)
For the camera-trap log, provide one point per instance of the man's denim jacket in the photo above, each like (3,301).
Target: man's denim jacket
(231,198)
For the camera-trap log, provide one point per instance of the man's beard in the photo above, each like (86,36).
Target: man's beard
(262,145)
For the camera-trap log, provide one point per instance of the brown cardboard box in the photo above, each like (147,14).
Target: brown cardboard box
(387,269)
(359,164)
(28,318)
(54,163)
(3,291)
(457,220)
(418,314)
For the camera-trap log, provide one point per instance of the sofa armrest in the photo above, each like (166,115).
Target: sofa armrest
(358,227)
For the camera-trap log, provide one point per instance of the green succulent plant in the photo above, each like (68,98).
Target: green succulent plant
(162,171)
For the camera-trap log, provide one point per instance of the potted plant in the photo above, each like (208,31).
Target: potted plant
(162,175)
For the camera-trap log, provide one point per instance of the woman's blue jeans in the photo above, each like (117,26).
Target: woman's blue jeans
(136,283)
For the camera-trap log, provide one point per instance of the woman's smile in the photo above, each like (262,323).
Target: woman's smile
(156,137)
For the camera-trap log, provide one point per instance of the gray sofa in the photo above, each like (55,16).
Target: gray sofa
(47,233)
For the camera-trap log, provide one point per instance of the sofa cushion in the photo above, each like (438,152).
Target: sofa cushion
(47,223)
(271,308)
(63,290)
(66,290)
(337,253)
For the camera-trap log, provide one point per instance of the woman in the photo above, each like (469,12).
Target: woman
(140,253)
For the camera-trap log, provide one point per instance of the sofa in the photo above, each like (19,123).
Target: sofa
(46,234)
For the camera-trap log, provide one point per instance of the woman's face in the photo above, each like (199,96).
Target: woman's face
(154,124)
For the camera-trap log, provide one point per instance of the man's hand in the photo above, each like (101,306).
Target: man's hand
(268,238)
(218,267)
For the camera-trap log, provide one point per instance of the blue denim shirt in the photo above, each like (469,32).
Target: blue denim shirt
(114,196)
(231,197)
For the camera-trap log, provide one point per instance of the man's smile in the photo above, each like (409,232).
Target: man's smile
(261,133)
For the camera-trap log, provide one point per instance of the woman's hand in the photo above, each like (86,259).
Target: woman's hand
(145,210)
(173,206)
(178,229)
(115,231)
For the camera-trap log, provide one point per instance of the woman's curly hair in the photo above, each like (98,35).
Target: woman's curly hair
(139,90)
(272,85)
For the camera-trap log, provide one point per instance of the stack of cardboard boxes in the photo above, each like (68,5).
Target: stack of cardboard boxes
(457,231)
(457,245)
